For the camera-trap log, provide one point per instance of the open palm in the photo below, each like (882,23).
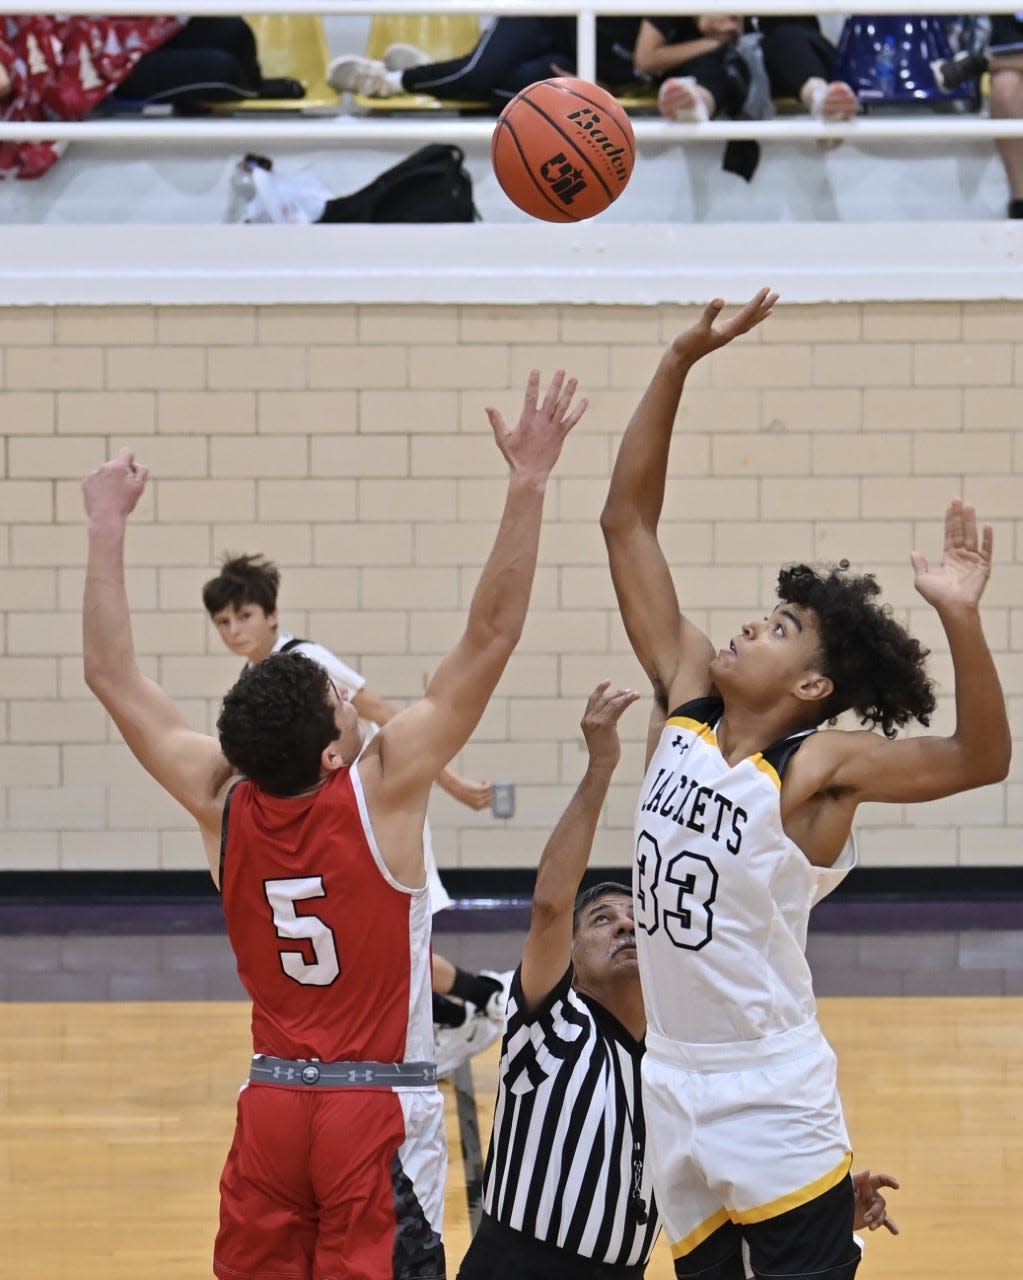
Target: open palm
(709,333)
(965,566)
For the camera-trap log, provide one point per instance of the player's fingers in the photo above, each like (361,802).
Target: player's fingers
(969,527)
(919,562)
(987,541)
(572,418)
(711,311)
(565,399)
(754,311)
(954,524)
(497,423)
(550,400)
(532,389)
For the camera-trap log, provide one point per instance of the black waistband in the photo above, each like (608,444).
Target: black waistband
(529,1256)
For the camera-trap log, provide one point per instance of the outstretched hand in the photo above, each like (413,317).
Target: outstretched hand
(114,488)
(965,566)
(871,1209)
(706,336)
(533,446)
(474,795)
(599,724)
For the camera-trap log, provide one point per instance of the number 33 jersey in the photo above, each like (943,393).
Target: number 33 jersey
(334,952)
(722,895)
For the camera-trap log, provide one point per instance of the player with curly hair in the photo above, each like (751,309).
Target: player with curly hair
(241,600)
(338,1161)
(744,822)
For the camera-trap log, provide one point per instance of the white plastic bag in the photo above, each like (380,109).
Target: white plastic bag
(260,194)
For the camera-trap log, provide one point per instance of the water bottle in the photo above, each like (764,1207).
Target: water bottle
(886,68)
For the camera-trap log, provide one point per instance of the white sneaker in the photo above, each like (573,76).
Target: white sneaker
(354,74)
(400,57)
(497,1006)
(453,1045)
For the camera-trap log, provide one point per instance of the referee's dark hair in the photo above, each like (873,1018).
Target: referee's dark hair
(585,896)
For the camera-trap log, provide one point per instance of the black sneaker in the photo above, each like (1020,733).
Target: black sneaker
(1015,209)
(281,87)
(950,73)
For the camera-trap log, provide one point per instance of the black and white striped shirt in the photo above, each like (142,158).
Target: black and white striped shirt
(565,1164)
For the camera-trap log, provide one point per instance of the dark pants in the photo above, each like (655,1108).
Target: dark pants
(723,74)
(498,1252)
(515,52)
(794,50)
(209,60)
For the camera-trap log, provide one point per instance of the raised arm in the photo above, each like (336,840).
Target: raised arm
(548,946)
(673,652)
(979,749)
(474,795)
(188,764)
(418,742)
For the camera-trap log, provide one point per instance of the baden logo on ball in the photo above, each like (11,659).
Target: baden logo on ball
(563,149)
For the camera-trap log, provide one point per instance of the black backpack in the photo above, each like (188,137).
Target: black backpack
(431,185)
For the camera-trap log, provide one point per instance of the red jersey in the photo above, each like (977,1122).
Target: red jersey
(334,952)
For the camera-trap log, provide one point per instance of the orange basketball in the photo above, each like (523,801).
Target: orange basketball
(563,149)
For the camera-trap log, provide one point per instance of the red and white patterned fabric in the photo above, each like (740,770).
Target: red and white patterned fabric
(61,67)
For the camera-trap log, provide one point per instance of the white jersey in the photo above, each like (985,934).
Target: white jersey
(340,672)
(722,895)
(350,679)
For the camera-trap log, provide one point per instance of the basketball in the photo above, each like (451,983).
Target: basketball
(563,149)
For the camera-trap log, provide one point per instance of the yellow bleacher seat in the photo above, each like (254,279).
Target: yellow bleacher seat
(442,36)
(292,45)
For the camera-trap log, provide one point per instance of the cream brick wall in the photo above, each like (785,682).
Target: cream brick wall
(350,444)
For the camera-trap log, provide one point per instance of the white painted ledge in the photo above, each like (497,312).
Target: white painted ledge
(613,263)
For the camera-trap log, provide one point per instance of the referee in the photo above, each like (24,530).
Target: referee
(567,1194)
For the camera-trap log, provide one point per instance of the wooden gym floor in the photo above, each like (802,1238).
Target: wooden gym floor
(115,1114)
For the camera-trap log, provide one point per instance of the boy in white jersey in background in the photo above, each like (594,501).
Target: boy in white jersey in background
(742,824)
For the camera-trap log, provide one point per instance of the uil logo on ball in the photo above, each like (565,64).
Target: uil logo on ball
(563,178)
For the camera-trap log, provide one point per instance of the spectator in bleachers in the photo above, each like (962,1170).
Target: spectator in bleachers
(696,62)
(798,59)
(511,53)
(1004,61)
(61,68)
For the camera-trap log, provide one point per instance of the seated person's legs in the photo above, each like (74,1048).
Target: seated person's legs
(230,35)
(1007,104)
(700,89)
(800,63)
(492,70)
(209,60)
(186,75)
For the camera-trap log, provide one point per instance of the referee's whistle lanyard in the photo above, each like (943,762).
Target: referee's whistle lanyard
(637,1125)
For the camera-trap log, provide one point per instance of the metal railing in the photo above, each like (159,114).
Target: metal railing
(348,130)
